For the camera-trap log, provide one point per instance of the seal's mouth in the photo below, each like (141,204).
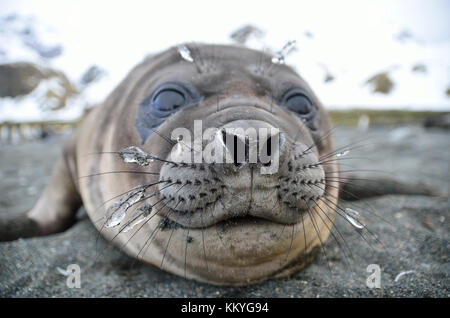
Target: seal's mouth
(221,217)
(237,220)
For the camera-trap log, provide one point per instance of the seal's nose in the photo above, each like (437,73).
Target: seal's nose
(249,142)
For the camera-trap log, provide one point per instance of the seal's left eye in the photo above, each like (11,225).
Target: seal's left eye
(299,103)
(169,99)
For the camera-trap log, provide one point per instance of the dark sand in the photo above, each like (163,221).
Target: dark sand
(413,230)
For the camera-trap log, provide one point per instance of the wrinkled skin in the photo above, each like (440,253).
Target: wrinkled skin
(233,226)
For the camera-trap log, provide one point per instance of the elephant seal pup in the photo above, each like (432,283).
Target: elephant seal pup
(230,222)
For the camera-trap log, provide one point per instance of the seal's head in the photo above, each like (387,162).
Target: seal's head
(236,159)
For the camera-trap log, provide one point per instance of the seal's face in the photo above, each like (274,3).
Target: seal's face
(235,221)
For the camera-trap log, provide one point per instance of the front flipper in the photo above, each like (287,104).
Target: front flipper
(354,186)
(56,208)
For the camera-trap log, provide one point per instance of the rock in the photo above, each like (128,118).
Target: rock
(92,74)
(328,78)
(22,34)
(17,79)
(439,121)
(242,35)
(381,83)
(51,87)
(44,51)
(308,34)
(419,68)
(404,36)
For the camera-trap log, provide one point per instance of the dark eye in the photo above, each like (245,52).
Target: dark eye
(169,99)
(299,103)
(163,102)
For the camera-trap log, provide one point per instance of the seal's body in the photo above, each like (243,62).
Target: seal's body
(223,223)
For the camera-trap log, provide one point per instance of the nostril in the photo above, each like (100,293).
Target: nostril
(239,149)
(250,142)
(269,149)
(236,149)
(267,152)
(224,136)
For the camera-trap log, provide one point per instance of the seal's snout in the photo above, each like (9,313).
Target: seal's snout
(248,168)
(248,142)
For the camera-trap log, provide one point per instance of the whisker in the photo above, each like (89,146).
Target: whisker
(223,243)
(170,141)
(149,240)
(170,237)
(331,232)
(197,58)
(167,202)
(331,163)
(356,197)
(292,241)
(121,171)
(280,236)
(114,237)
(304,231)
(343,216)
(155,231)
(102,218)
(203,242)
(146,186)
(310,213)
(339,159)
(357,170)
(186,246)
(171,210)
(343,179)
(135,218)
(152,156)
(315,143)
(348,147)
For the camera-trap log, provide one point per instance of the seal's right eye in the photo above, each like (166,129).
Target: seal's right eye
(169,99)
(166,100)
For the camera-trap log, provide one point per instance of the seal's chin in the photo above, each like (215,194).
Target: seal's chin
(236,251)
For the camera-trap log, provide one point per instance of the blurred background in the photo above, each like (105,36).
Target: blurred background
(60,58)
